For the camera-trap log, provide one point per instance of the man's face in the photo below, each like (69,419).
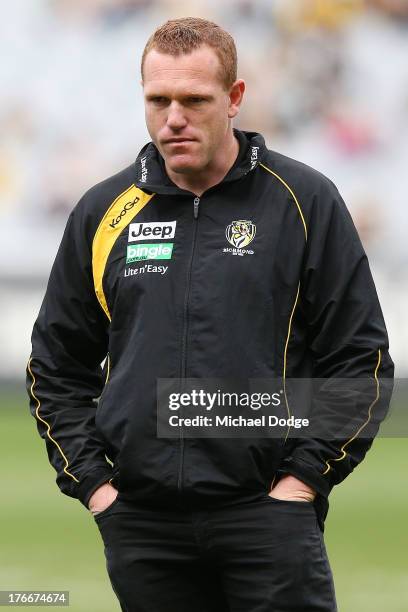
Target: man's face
(187,107)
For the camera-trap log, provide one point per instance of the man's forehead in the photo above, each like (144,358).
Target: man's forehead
(176,74)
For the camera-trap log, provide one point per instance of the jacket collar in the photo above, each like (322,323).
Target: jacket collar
(151,174)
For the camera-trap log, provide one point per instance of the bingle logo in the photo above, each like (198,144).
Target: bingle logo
(158,230)
(128,206)
(138,252)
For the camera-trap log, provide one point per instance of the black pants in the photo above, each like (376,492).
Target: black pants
(262,556)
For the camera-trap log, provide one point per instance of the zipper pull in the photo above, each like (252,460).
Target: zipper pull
(196,205)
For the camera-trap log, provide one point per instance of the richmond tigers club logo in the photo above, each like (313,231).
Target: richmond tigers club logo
(240,233)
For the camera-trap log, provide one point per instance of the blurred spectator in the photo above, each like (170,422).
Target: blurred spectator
(394,8)
(330,14)
(109,12)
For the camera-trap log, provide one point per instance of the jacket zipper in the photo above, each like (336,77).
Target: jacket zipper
(183,368)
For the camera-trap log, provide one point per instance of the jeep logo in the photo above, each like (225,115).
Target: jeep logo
(128,206)
(158,230)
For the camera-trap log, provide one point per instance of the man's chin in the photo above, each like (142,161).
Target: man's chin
(183,166)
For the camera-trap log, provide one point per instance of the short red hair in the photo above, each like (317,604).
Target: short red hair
(183,35)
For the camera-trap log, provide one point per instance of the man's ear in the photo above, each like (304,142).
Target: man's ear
(236,94)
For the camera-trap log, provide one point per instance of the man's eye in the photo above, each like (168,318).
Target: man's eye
(196,100)
(158,100)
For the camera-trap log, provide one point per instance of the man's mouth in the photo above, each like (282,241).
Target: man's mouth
(178,141)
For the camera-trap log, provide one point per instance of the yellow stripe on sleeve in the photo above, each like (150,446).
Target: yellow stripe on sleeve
(296,201)
(37,414)
(343,452)
(285,356)
(291,193)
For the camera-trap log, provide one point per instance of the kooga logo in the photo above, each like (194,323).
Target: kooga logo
(158,230)
(128,206)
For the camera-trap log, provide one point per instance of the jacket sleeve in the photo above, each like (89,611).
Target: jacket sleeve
(64,375)
(347,339)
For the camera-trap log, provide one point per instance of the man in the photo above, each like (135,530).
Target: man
(262,275)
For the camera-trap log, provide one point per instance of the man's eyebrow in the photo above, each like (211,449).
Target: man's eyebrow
(184,96)
(197,94)
(151,96)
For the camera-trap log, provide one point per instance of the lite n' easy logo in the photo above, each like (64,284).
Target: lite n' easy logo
(138,252)
(155,230)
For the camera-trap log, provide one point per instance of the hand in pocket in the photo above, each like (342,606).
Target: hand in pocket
(290,488)
(102,498)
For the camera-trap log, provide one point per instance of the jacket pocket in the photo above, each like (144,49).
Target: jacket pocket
(107,510)
(289,502)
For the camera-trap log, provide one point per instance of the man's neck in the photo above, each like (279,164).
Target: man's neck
(212,174)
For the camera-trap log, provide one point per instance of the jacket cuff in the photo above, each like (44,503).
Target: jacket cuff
(91,482)
(306,473)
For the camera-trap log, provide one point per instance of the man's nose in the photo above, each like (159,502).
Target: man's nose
(176,118)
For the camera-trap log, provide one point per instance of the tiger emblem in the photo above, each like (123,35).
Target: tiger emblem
(240,233)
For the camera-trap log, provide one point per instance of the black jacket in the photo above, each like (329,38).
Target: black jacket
(298,301)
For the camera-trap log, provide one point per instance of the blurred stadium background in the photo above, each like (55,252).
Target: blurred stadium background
(327,84)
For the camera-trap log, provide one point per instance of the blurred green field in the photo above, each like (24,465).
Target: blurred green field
(49,541)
